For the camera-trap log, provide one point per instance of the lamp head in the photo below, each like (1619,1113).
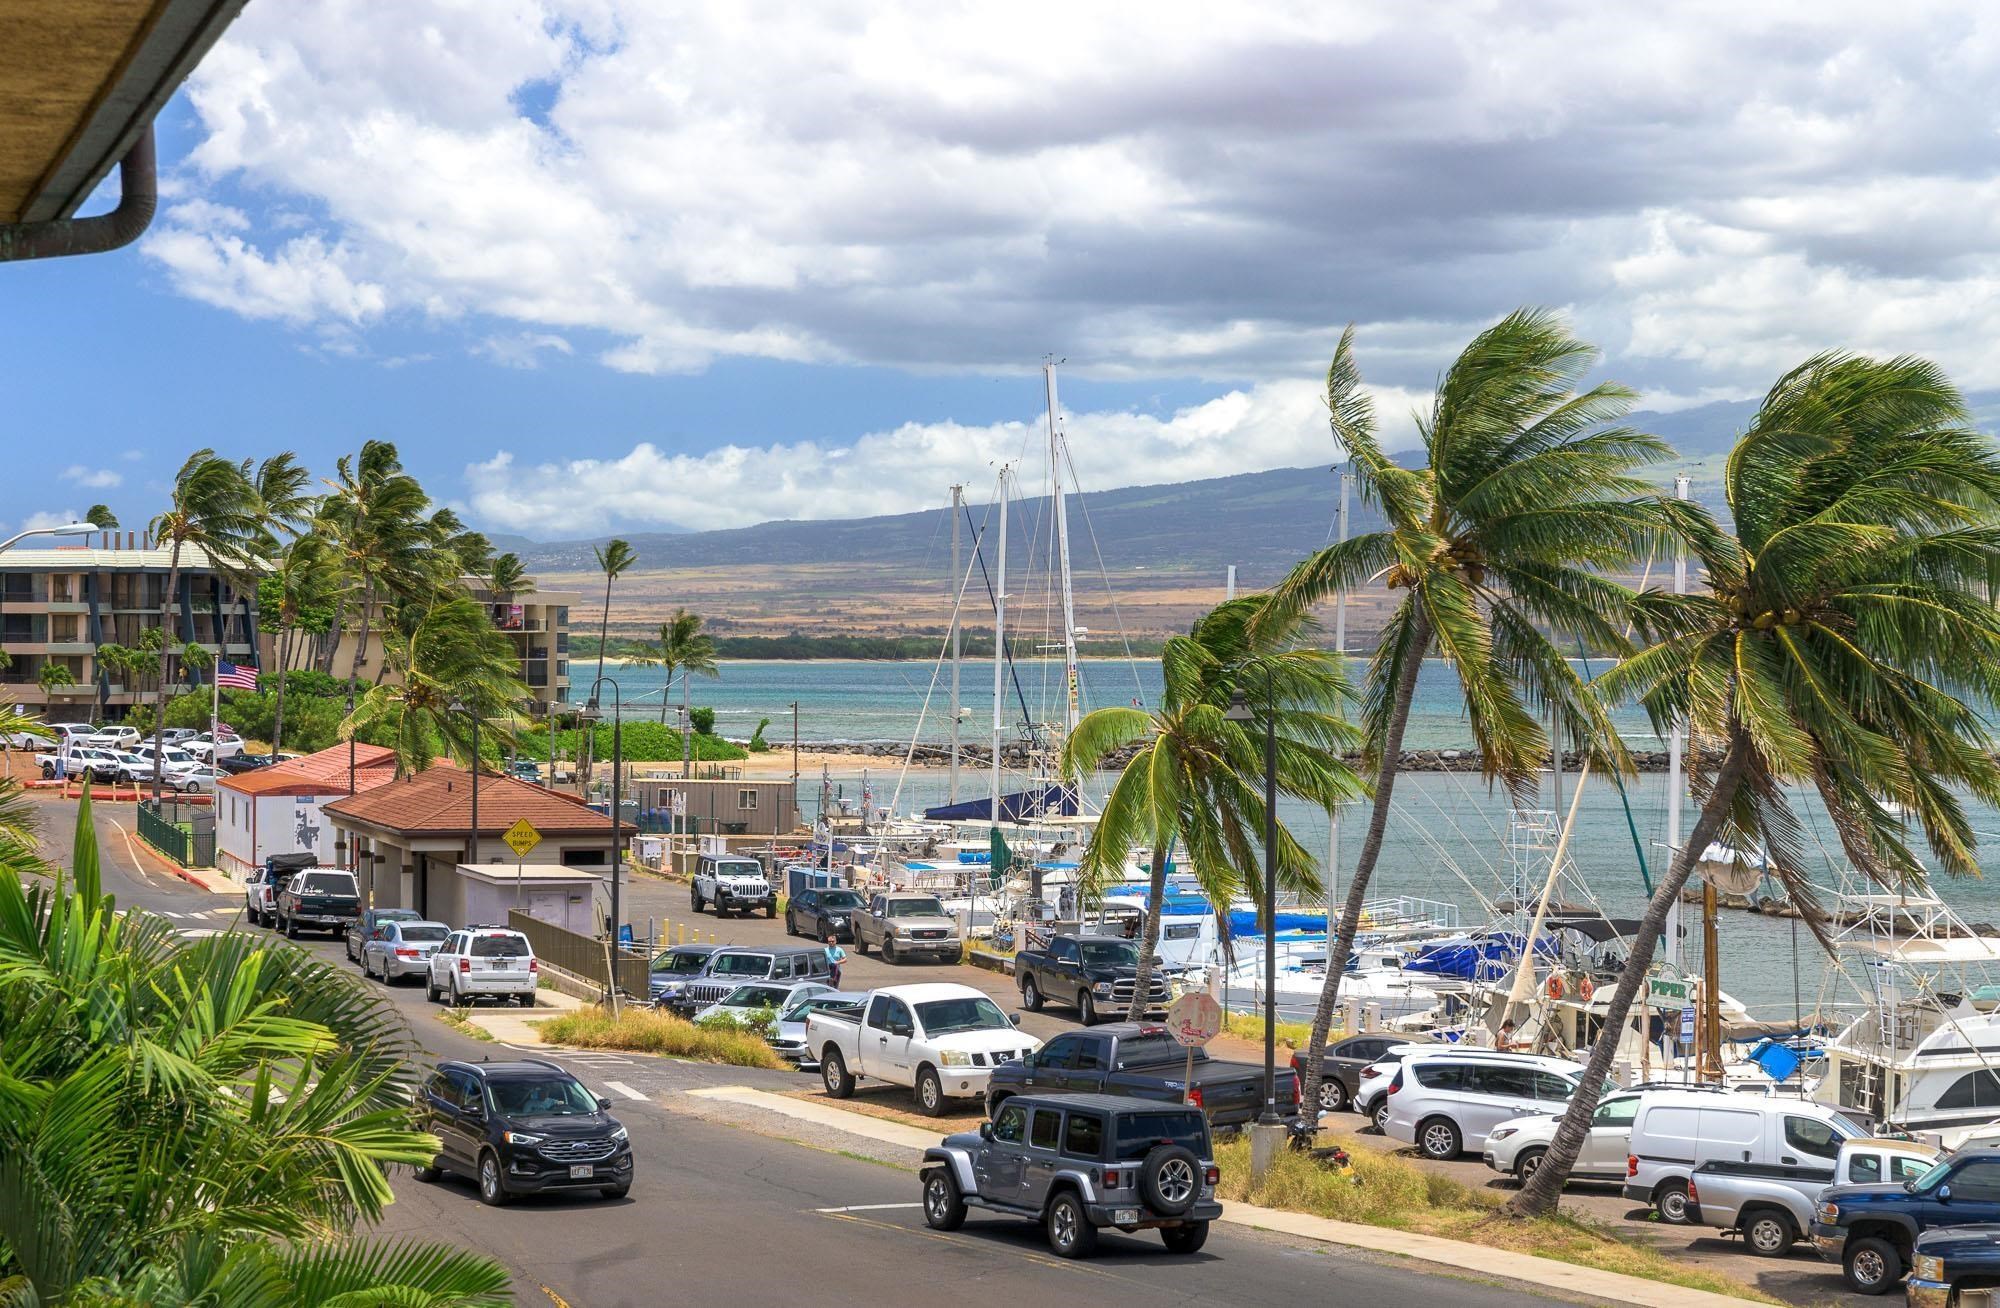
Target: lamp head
(71,529)
(1239,707)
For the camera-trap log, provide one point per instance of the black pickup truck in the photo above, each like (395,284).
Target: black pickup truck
(1143,1061)
(1095,975)
(319,899)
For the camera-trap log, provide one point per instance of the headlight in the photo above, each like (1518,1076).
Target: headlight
(955,1058)
(620,1134)
(519,1138)
(1503,1133)
(1829,1214)
(1928,1267)
(1102,988)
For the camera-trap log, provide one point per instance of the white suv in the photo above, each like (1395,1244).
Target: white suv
(1447,1103)
(482,962)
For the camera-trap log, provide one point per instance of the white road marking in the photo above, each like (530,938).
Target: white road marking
(866,1208)
(623,1089)
(137,864)
(168,912)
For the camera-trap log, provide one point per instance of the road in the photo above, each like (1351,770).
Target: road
(721,1211)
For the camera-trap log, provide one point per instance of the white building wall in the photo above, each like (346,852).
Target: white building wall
(251,828)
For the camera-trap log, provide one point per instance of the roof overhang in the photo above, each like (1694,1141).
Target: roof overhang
(80,81)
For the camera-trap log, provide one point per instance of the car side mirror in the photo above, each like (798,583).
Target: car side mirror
(477,1112)
(1014,1019)
(986,1130)
(1944,1194)
(604,1101)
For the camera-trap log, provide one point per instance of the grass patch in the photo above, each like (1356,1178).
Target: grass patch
(642,1031)
(1292,1035)
(455,1018)
(1383,1190)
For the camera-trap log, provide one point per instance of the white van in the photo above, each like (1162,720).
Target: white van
(1445,1103)
(1676,1131)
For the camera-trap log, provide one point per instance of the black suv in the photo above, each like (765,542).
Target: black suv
(521,1128)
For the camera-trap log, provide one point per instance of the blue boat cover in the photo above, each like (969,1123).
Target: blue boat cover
(1049,801)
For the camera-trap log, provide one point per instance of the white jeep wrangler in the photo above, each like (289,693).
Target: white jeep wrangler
(732,884)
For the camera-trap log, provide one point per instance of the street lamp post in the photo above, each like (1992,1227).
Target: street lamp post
(1239,711)
(66,529)
(459,706)
(617,795)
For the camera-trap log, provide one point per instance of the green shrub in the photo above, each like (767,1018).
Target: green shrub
(703,720)
(641,1030)
(761,1022)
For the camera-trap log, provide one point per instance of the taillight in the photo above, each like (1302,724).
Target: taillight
(1214,1175)
(1694,1197)
(406,953)
(1111,1181)
(534,966)
(1296,1069)
(1194,1097)
(465,965)
(1297,1091)
(1370,1073)
(1631,1166)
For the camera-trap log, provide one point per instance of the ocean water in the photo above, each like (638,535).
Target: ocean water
(1448,836)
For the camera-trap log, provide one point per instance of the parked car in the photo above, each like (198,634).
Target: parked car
(260,888)
(175,735)
(905,926)
(1675,1132)
(673,968)
(23,731)
(822,913)
(1772,1206)
(788,1035)
(1446,1104)
(136,769)
(198,780)
(483,962)
(370,919)
(213,749)
(1092,974)
(322,899)
(1517,1146)
(941,1040)
(83,761)
(521,1128)
(731,884)
(1143,1061)
(236,764)
(745,1003)
(1342,1063)
(1078,1164)
(1947,1263)
(522,769)
(401,947)
(113,738)
(1872,1230)
(73,732)
(738,965)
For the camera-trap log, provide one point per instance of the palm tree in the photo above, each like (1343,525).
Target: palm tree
(101,516)
(1498,546)
(454,656)
(374,519)
(614,558)
(686,648)
(1196,778)
(297,596)
(1837,631)
(214,508)
(196,1121)
(507,577)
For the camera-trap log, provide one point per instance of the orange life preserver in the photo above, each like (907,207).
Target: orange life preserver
(1555,987)
(1584,989)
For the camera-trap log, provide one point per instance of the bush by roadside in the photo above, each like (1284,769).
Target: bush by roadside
(639,1030)
(1380,1189)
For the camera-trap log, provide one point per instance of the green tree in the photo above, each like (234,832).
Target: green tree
(1836,639)
(614,559)
(455,656)
(1196,779)
(212,508)
(195,1121)
(296,599)
(372,520)
(1499,546)
(53,675)
(100,515)
(508,577)
(684,648)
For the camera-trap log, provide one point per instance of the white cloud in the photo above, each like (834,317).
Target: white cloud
(94,478)
(45,518)
(522,349)
(132,456)
(1278,424)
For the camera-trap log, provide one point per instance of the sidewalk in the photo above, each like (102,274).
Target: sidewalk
(517,1026)
(1585,1282)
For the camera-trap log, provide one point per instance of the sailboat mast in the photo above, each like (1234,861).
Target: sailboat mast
(999,644)
(1057,453)
(1674,779)
(957,598)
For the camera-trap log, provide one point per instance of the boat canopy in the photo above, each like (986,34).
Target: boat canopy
(1049,801)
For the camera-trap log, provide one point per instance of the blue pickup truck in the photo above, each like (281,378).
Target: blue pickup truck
(1948,1262)
(1872,1230)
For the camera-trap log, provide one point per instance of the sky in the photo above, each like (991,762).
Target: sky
(613,265)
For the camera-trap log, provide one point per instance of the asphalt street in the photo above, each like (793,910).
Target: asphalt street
(722,1213)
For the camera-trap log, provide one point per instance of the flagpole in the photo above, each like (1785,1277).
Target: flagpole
(215,709)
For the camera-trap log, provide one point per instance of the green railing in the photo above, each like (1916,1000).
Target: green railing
(170,838)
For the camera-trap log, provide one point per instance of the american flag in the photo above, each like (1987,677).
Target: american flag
(228,674)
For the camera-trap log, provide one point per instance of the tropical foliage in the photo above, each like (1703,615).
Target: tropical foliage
(684,648)
(454,665)
(1836,640)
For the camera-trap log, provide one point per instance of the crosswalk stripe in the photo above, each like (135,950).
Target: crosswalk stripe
(623,1089)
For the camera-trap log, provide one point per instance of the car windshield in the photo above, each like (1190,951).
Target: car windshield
(423,935)
(1109,953)
(1139,1133)
(742,965)
(738,867)
(679,962)
(544,1096)
(947,1016)
(1153,1047)
(327,883)
(925,907)
(839,899)
(500,945)
(755,997)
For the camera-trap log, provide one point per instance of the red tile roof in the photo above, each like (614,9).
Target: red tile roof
(324,773)
(439,801)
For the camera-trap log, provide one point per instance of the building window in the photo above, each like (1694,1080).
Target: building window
(562,615)
(746,799)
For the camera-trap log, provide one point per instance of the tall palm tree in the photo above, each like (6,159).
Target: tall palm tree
(1498,545)
(213,507)
(507,577)
(454,656)
(1835,641)
(1196,778)
(374,517)
(297,596)
(686,648)
(101,516)
(614,558)
(196,1121)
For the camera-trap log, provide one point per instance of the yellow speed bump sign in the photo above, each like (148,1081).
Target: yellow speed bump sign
(521,837)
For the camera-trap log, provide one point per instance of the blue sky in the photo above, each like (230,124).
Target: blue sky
(602,264)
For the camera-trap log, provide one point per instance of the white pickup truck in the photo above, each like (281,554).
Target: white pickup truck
(941,1040)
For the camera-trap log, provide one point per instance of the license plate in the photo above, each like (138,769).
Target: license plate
(581,1171)
(497,965)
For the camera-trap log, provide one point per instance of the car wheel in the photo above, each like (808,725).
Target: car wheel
(1526,1163)
(930,1092)
(1070,1233)
(1332,1096)
(290,928)
(1382,1116)
(833,1071)
(492,1189)
(429,1172)
(1671,1202)
(694,900)
(1086,1008)
(1031,995)
(944,1207)
(457,999)
(770,910)
(430,988)
(1438,1138)
(1769,1235)
(1871,1265)
(1186,1238)
(888,950)
(860,945)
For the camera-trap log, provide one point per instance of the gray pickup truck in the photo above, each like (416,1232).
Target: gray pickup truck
(1772,1205)
(1142,1060)
(1077,1164)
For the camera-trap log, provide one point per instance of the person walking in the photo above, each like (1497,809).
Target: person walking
(835,956)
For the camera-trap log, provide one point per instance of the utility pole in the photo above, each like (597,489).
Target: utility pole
(1674,765)
(795,747)
(957,590)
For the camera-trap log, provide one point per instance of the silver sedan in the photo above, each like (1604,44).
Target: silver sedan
(400,949)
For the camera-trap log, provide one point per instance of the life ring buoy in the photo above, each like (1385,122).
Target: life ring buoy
(1555,987)
(1584,989)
